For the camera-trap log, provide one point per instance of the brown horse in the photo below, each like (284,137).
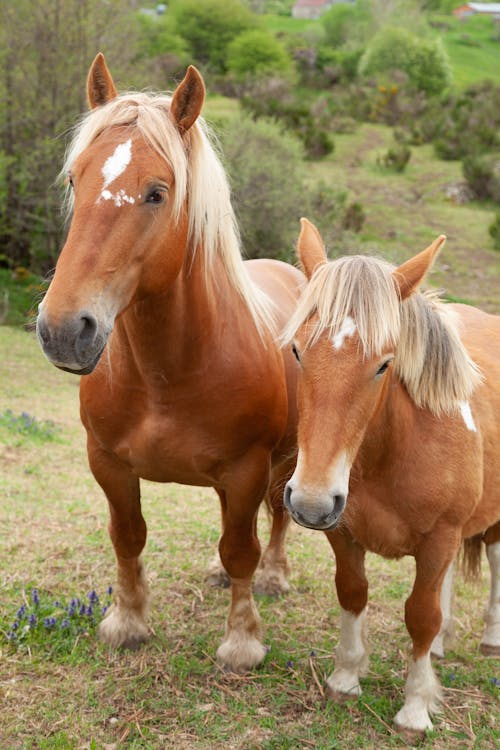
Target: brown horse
(399,428)
(176,339)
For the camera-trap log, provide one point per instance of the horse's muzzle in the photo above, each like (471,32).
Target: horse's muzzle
(321,513)
(74,345)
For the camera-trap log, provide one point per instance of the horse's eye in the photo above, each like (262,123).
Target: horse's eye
(296,353)
(155,196)
(383,368)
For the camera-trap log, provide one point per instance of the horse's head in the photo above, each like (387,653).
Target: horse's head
(129,225)
(344,335)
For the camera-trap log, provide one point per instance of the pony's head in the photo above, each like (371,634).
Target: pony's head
(147,196)
(358,321)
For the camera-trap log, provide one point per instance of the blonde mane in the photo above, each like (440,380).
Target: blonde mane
(430,358)
(198,174)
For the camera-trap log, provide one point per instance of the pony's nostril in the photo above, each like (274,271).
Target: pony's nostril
(287,496)
(338,504)
(88,329)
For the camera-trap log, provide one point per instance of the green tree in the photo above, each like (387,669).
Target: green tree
(424,61)
(45,51)
(208,26)
(256,53)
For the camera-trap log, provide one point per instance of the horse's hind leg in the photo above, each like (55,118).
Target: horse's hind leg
(490,642)
(351,655)
(125,622)
(274,568)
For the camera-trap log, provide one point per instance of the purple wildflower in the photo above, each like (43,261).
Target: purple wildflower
(289,664)
(93,598)
(32,620)
(109,590)
(21,612)
(15,625)
(49,622)
(104,610)
(64,624)
(89,611)
(495,681)
(82,610)
(35,598)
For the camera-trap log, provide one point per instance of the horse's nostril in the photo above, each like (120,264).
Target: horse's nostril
(88,329)
(286,496)
(338,504)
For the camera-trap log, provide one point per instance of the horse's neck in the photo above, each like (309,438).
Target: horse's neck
(175,330)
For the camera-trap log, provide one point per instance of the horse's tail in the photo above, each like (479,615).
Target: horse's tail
(471,556)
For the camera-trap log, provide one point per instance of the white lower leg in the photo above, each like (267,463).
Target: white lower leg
(422,696)
(125,621)
(446,631)
(351,656)
(242,649)
(491,637)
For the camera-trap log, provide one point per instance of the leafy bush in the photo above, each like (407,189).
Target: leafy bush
(346,24)
(273,98)
(424,61)
(482,173)
(468,122)
(208,26)
(354,217)
(256,52)
(494,230)
(396,158)
(267,173)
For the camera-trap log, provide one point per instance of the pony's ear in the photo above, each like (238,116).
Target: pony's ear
(187,100)
(100,86)
(410,274)
(310,248)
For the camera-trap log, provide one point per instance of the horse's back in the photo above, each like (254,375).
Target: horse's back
(281,282)
(480,332)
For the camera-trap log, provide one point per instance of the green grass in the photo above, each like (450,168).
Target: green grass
(473,51)
(65,690)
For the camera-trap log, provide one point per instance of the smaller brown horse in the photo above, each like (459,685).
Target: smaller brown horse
(398,446)
(183,379)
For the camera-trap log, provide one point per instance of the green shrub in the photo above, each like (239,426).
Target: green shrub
(396,158)
(267,173)
(494,230)
(256,52)
(469,122)
(208,26)
(354,217)
(424,61)
(482,173)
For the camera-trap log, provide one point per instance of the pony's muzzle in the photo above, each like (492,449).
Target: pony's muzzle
(75,344)
(320,511)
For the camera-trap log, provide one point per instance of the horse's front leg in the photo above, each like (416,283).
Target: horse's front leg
(423,620)
(490,642)
(125,622)
(239,550)
(351,656)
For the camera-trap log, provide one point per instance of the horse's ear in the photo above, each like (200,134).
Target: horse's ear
(410,275)
(100,86)
(187,100)
(310,248)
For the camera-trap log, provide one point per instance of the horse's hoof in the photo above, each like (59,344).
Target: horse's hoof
(271,585)
(488,649)
(219,579)
(123,629)
(240,656)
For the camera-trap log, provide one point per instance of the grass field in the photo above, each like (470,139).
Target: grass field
(63,690)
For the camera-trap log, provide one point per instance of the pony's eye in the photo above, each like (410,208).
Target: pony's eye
(155,196)
(296,353)
(383,368)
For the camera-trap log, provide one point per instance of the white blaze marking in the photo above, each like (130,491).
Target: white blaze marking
(117,162)
(113,167)
(467,415)
(348,328)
